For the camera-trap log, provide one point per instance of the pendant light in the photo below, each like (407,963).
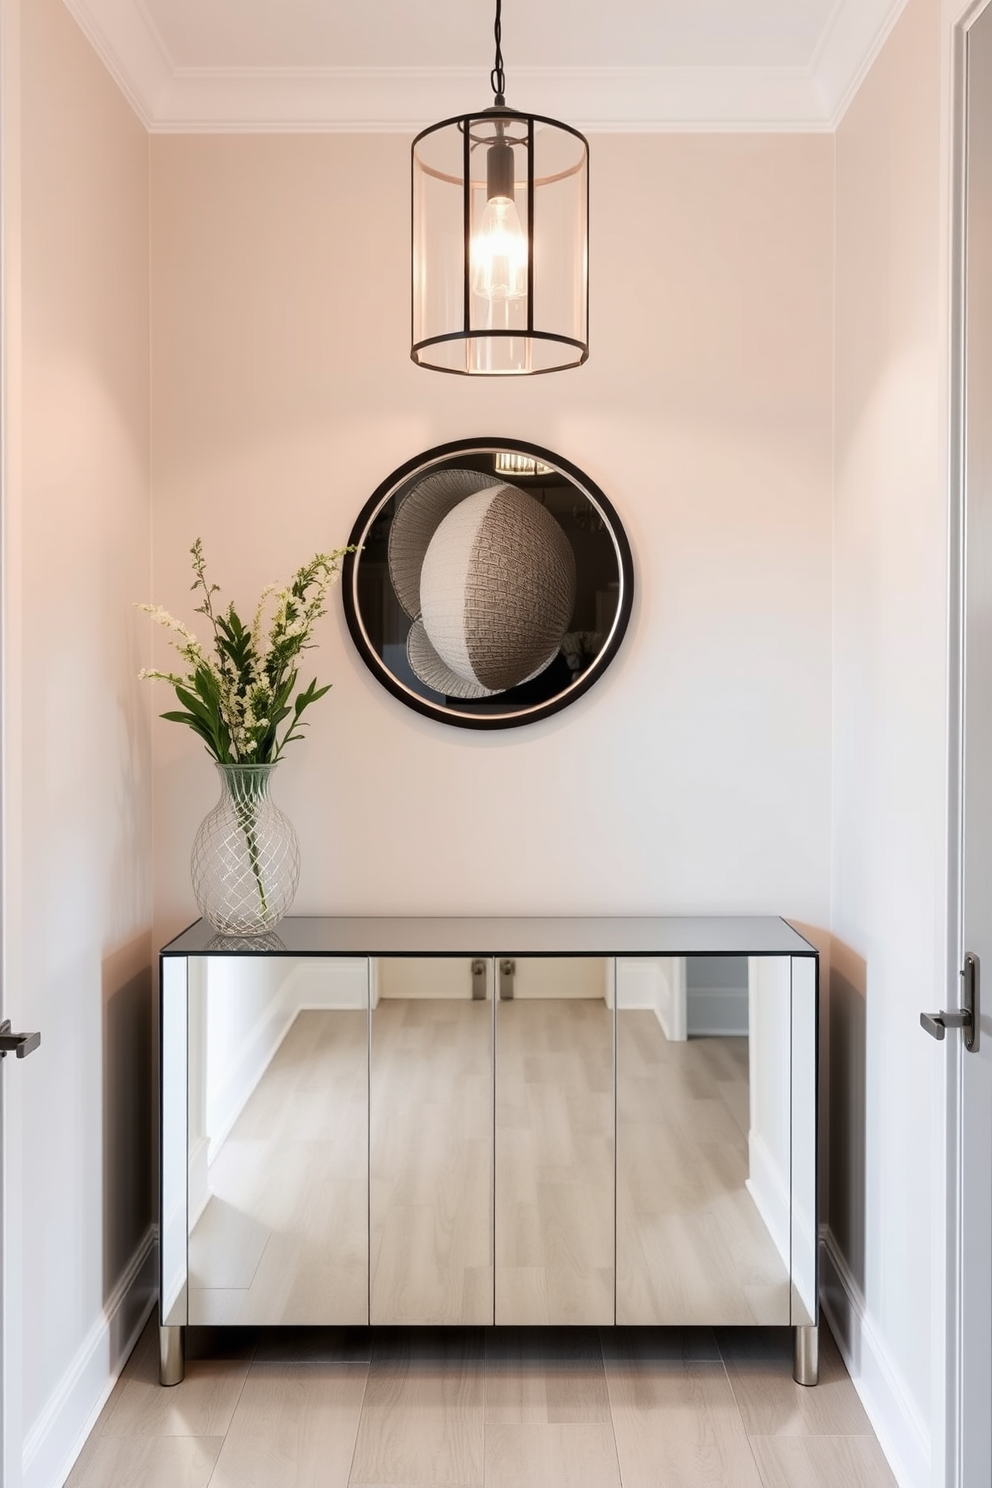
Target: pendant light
(500,241)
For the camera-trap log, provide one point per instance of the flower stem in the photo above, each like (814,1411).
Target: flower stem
(246,794)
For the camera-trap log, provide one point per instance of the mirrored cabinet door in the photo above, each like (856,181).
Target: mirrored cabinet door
(278,1140)
(173,1153)
(432,1141)
(554,1140)
(805,1302)
(704,1140)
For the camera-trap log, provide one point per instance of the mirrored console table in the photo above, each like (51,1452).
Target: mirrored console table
(490,1121)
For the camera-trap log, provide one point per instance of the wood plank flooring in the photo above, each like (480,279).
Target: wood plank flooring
(483,1408)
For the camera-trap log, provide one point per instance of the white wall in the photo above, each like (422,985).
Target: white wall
(77,892)
(887,898)
(696,774)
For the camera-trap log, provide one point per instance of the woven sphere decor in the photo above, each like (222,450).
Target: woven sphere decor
(496,593)
(482,602)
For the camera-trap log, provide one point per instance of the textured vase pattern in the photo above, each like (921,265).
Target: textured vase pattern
(245,862)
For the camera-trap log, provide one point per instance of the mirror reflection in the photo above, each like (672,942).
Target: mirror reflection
(491,586)
(278,1140)
(519,1140)
(704,1140)
(431,1082)
(554,1141)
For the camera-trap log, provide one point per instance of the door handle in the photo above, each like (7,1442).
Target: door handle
(20,1044)
(936,1023)
(966,1017)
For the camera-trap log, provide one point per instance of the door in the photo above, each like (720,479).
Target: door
(975,1069)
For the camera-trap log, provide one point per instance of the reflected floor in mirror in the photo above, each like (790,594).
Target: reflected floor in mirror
(692,1244)
(554,1162)
(483,1408)
(282,1232)
(431,1203)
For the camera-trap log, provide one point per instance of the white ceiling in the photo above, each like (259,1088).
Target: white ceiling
(399,64)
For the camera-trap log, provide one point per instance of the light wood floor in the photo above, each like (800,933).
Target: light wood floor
(483,1408)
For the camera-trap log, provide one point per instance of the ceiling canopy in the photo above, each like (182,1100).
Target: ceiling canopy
(397,64)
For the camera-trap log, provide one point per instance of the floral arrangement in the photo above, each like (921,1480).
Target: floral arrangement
(239,698)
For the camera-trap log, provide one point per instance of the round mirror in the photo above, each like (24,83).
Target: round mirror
(492,583)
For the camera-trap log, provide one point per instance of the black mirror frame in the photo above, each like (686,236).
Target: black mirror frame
(450,716)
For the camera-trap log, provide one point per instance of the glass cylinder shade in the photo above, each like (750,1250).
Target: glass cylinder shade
(500,245)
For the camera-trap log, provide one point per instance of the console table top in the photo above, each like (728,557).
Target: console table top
(512,935)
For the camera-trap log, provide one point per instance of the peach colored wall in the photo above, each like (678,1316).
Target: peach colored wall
(77,769)
(889,807)
(696,775)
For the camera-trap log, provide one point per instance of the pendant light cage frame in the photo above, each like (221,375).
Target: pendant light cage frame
(530,313)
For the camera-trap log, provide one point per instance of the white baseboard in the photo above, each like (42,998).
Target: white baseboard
(56,1438)
(769,1188)
(897,1423)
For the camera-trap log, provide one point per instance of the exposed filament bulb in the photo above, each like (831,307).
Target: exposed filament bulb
(499,246)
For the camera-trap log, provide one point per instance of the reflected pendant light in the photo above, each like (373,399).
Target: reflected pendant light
(500,241)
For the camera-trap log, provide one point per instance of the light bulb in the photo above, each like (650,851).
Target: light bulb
(499,253)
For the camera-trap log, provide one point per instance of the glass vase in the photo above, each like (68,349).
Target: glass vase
(245,862)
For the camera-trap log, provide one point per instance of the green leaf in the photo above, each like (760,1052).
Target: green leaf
(310,695)
(193,703)
(193,723)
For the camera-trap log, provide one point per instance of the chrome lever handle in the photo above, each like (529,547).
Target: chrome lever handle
(936,1024)
(20,1044)
(966,1018)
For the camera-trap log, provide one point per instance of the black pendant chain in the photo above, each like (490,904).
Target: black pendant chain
(496,78)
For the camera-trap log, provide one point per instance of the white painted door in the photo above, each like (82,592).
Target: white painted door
(975,1069)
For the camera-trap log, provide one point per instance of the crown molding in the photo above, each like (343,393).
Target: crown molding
(367,100)
(184,100)
(123,36)
(852,39)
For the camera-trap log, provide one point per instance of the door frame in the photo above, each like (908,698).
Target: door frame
(11,1087)
(962,19)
